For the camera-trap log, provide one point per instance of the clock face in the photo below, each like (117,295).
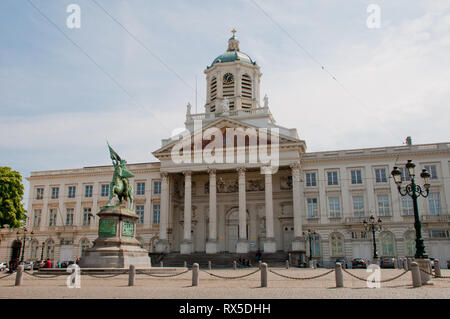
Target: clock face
(228,78)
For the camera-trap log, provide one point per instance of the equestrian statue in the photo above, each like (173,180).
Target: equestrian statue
(120,184)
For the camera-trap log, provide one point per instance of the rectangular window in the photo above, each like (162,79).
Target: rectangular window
(356,176)
(52,217)
(407,206)
(37,217)
(156,214)
(358,206)
(69,217)
(405,174)
(157,187)
(439,233)
(332,178)
(432,170)
(380,175)
(311,179)
(88,191)
(140,189)
(39,193)
(312,207)
(71,193)
(335,207)
(383,205)
(105,190)
(140,213)
(434,203)
(55,192)
(86,217)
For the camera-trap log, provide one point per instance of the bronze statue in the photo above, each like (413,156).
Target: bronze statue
(120,184)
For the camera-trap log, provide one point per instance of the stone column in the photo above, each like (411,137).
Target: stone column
(242,244)
(163,244)
(269,244)
(186,244)
(211,245)
(297,197)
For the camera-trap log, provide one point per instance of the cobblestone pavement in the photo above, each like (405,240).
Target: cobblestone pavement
(215,288)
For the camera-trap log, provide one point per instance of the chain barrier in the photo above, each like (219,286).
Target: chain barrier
(385,280)
(303,278)
(237,277)
(105,276)
(161,276)
(434,275)
(43,276)
(7,275)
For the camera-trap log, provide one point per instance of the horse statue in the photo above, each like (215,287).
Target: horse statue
(120,185)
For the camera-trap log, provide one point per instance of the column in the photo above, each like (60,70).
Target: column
(163,244)
(445,200)
(211,244)
(269,243)
(298,244)
(242,244)
(186,244)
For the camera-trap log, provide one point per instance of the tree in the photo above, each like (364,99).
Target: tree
(12,211)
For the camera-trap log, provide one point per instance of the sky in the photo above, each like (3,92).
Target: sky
(342,84)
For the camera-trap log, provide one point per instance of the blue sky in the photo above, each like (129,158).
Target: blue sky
(58,109)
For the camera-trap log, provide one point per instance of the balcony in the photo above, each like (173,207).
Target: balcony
(354,220)
(443,218)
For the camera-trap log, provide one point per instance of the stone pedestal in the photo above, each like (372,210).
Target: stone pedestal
(211,247)
(116,245)
(270,245)
(186,247)
(425,265)
(242,247)
(298,244)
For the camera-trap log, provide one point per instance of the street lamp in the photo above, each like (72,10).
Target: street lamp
(414,191)
(373,226)
(42,251)
(25,238)
(310,235)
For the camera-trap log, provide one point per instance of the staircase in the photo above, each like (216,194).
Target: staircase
(219,260)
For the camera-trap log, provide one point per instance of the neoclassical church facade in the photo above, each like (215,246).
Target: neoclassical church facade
(235,181)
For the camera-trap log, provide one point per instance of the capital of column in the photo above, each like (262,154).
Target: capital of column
(164,176)
(267,170)
(295,167)
(211,171)
(241,171)
(187,173)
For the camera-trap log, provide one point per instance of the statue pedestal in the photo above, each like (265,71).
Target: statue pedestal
(116,245)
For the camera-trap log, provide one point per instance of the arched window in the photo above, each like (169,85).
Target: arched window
(85,244)
(50,251)
(410,242)
(387,244)
(213,93)
(246,91)
(337,243)
(34,249)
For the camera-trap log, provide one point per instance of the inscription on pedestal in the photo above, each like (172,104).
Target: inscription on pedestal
(128,229)
(107,228)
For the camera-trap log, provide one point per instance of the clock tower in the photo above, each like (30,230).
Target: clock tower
(233,80)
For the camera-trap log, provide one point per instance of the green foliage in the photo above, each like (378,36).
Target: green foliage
(12,211)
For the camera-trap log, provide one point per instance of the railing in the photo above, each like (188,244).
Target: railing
(242,112)
(436,218)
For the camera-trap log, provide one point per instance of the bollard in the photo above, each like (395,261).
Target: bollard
(131,275)
(19,275)
(437,268)
(311,264)
(339,275)
(234,265)
(209,265)
(395,263)
(263,275)
(287,264)
(259,264)
(195,274)
(408,263)
(185,264)
(161,264)
(415,272)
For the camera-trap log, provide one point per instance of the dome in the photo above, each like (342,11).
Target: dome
(233,53)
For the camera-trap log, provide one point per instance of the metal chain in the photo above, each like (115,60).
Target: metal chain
(161,276)
(237,277)
(6,276)
(43,276)
(434,275)
(386,280)
(298,278)
(105,276)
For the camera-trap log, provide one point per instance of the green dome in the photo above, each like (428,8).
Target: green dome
(231,56)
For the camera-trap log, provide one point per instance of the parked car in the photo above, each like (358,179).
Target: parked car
(3,266)
(38,264)
(448,264)
(432,262)
(66,264)
(387,263)
(27,265)
(342,261)
(359,263)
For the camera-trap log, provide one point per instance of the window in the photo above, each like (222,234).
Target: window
(405,174)
(39,193)
(86,217)
(140,190)
(315,245)
(157,187)
(311,179)
(380,175)
(140,213)
(358,206)
(71,193)
(439,233)
(213,93)
(407,206)
(52,217)
(34,249)
(383,205)
(246,91)
(432,170)
(69,217)
(332,178)
(410,242)
(434,203)
(356,176)
(312,208)
(55,192)
(37,217)
(336,245)
(156,214)
(387,244)
(105,190)
(50,249)
(335,209)
(88,191)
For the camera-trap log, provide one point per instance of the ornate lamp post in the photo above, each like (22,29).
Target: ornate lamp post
(414,191)
(25,238)
(310,235)
(42,251)
(373,226)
